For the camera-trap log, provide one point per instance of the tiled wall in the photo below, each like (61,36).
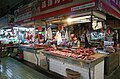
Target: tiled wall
(60,68)
(30,57)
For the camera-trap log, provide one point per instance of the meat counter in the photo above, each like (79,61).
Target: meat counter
(32,54)
(88,68)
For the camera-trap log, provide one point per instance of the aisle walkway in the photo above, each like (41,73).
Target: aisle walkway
(12,69)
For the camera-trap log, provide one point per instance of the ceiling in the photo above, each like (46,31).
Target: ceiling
(8,6)
(11,3)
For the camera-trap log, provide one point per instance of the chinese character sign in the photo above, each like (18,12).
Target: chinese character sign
(47,4)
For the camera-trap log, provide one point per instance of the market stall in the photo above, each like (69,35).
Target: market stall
(90,23)
(9,40)
(60,60)
(29,36)
(29,45)
(88,66)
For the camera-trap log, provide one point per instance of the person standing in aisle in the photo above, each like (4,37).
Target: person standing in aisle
(86,41)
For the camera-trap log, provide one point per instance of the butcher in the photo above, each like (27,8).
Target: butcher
(75,42)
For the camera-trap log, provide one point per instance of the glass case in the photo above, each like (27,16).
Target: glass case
(9,35)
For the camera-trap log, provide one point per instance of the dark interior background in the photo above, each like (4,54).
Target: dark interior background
(8,6)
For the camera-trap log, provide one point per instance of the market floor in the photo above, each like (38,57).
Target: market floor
(12,69)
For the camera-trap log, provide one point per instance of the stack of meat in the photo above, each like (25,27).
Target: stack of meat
(80,53)
(85,53)
(28,45)
(40,46)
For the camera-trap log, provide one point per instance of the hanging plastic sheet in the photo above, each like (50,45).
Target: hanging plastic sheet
(45,34)
(66,35)
(49,33)
(58,38)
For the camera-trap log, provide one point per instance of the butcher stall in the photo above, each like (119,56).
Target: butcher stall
(85,62)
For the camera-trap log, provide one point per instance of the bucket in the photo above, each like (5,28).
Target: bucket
(72,74)
(20,56)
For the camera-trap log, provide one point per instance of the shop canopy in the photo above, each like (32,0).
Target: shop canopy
(110,7)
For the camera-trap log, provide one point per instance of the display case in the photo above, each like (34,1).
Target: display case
(9,35)
(9,40)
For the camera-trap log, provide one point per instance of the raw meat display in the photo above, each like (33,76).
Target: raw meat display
(80,53)
(84,51)
(40,46)
(49,49)
(66,50)
(28,45)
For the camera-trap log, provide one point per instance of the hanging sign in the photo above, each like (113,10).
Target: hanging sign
(23,12)
(83,6)
(111,7)
(46,4)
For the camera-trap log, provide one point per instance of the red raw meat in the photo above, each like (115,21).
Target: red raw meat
(66,50)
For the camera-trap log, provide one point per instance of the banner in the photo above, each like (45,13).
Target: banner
(83,6)
(47,4)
